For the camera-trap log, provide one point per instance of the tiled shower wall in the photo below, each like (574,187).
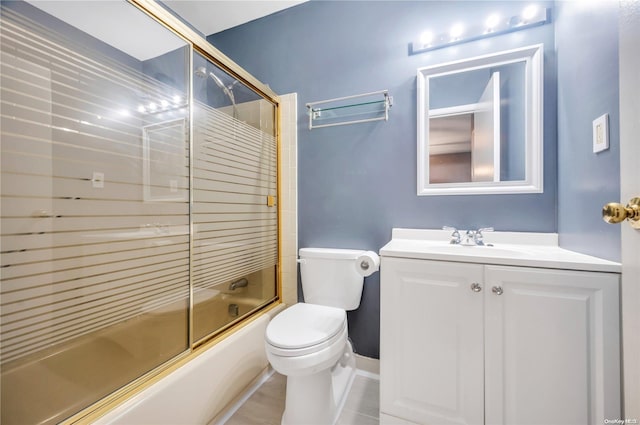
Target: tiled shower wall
(289,197)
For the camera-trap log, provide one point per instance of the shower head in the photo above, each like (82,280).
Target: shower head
(202,72)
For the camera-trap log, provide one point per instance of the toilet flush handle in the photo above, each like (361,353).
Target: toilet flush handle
(301,261)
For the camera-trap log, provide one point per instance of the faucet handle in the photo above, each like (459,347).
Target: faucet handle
(479,240)
(455,235)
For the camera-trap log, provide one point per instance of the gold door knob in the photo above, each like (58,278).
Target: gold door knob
(616,213)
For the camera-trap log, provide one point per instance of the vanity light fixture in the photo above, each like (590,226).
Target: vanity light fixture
(163,105)
(531,16)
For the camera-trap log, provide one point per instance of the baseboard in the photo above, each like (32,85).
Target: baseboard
(367,366)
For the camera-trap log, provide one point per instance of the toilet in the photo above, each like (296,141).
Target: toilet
(308,341)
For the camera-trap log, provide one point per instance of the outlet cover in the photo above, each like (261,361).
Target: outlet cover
(601,133)
(98,180)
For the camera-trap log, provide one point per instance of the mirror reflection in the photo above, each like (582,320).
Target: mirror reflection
(480,124)
(476,125)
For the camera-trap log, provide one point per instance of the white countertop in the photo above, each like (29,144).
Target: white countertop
(509,248)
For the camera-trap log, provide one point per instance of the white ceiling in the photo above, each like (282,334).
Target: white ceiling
(212,16)
(144,38)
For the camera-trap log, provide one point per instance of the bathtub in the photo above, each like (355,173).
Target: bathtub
(198,391)
(67,374)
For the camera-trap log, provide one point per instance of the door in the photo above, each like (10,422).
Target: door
(431,348)
(485,143)
(630,187)
(551,346)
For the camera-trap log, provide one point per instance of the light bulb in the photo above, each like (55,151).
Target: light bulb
(529,12)
(492,22)
(164,103)
(426,38)
(456,31)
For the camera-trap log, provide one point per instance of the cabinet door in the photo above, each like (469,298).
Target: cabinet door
(551,346)
(431,348)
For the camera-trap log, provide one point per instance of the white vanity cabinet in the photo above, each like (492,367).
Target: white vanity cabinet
(431,342)
(476,343)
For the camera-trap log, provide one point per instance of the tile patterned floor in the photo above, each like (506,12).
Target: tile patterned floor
(266,405)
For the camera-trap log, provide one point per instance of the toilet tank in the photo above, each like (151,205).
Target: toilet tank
(329,277)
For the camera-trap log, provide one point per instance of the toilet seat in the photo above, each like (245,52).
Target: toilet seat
(305,328)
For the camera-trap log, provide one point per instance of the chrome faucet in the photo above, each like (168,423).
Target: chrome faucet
(240,283)
(479,239)
(471,237)
(455,236)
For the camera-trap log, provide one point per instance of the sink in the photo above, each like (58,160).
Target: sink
(484,251)
(437,246)
(509,249)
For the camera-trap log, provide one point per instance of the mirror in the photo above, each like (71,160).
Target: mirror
(164,147)
(480,124)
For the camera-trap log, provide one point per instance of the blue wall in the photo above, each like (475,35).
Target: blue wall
(357,182)
(587,45)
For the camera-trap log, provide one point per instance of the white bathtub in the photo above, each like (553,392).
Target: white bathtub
(199,390)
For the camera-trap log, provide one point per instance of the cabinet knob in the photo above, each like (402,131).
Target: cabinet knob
(497,290)
(475,287)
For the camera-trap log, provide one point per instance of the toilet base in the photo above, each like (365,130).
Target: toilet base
(318,399)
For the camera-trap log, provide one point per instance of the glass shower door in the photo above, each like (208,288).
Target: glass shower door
(95,204)
(235,221)
(138,180)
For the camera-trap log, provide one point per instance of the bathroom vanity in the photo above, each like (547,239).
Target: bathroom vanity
(520,332)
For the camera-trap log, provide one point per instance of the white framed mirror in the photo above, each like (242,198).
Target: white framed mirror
(480,124)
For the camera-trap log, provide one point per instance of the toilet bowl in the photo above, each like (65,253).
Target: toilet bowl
(308,341)
(308,344)
(306,338)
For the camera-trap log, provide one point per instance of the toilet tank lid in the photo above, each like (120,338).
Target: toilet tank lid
(330,253)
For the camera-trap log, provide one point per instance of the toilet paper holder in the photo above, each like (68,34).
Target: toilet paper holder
(367,263)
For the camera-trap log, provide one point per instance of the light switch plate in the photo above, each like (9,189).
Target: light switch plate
(601,133)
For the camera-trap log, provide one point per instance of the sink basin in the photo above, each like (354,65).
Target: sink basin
(484,251)
(443,250)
